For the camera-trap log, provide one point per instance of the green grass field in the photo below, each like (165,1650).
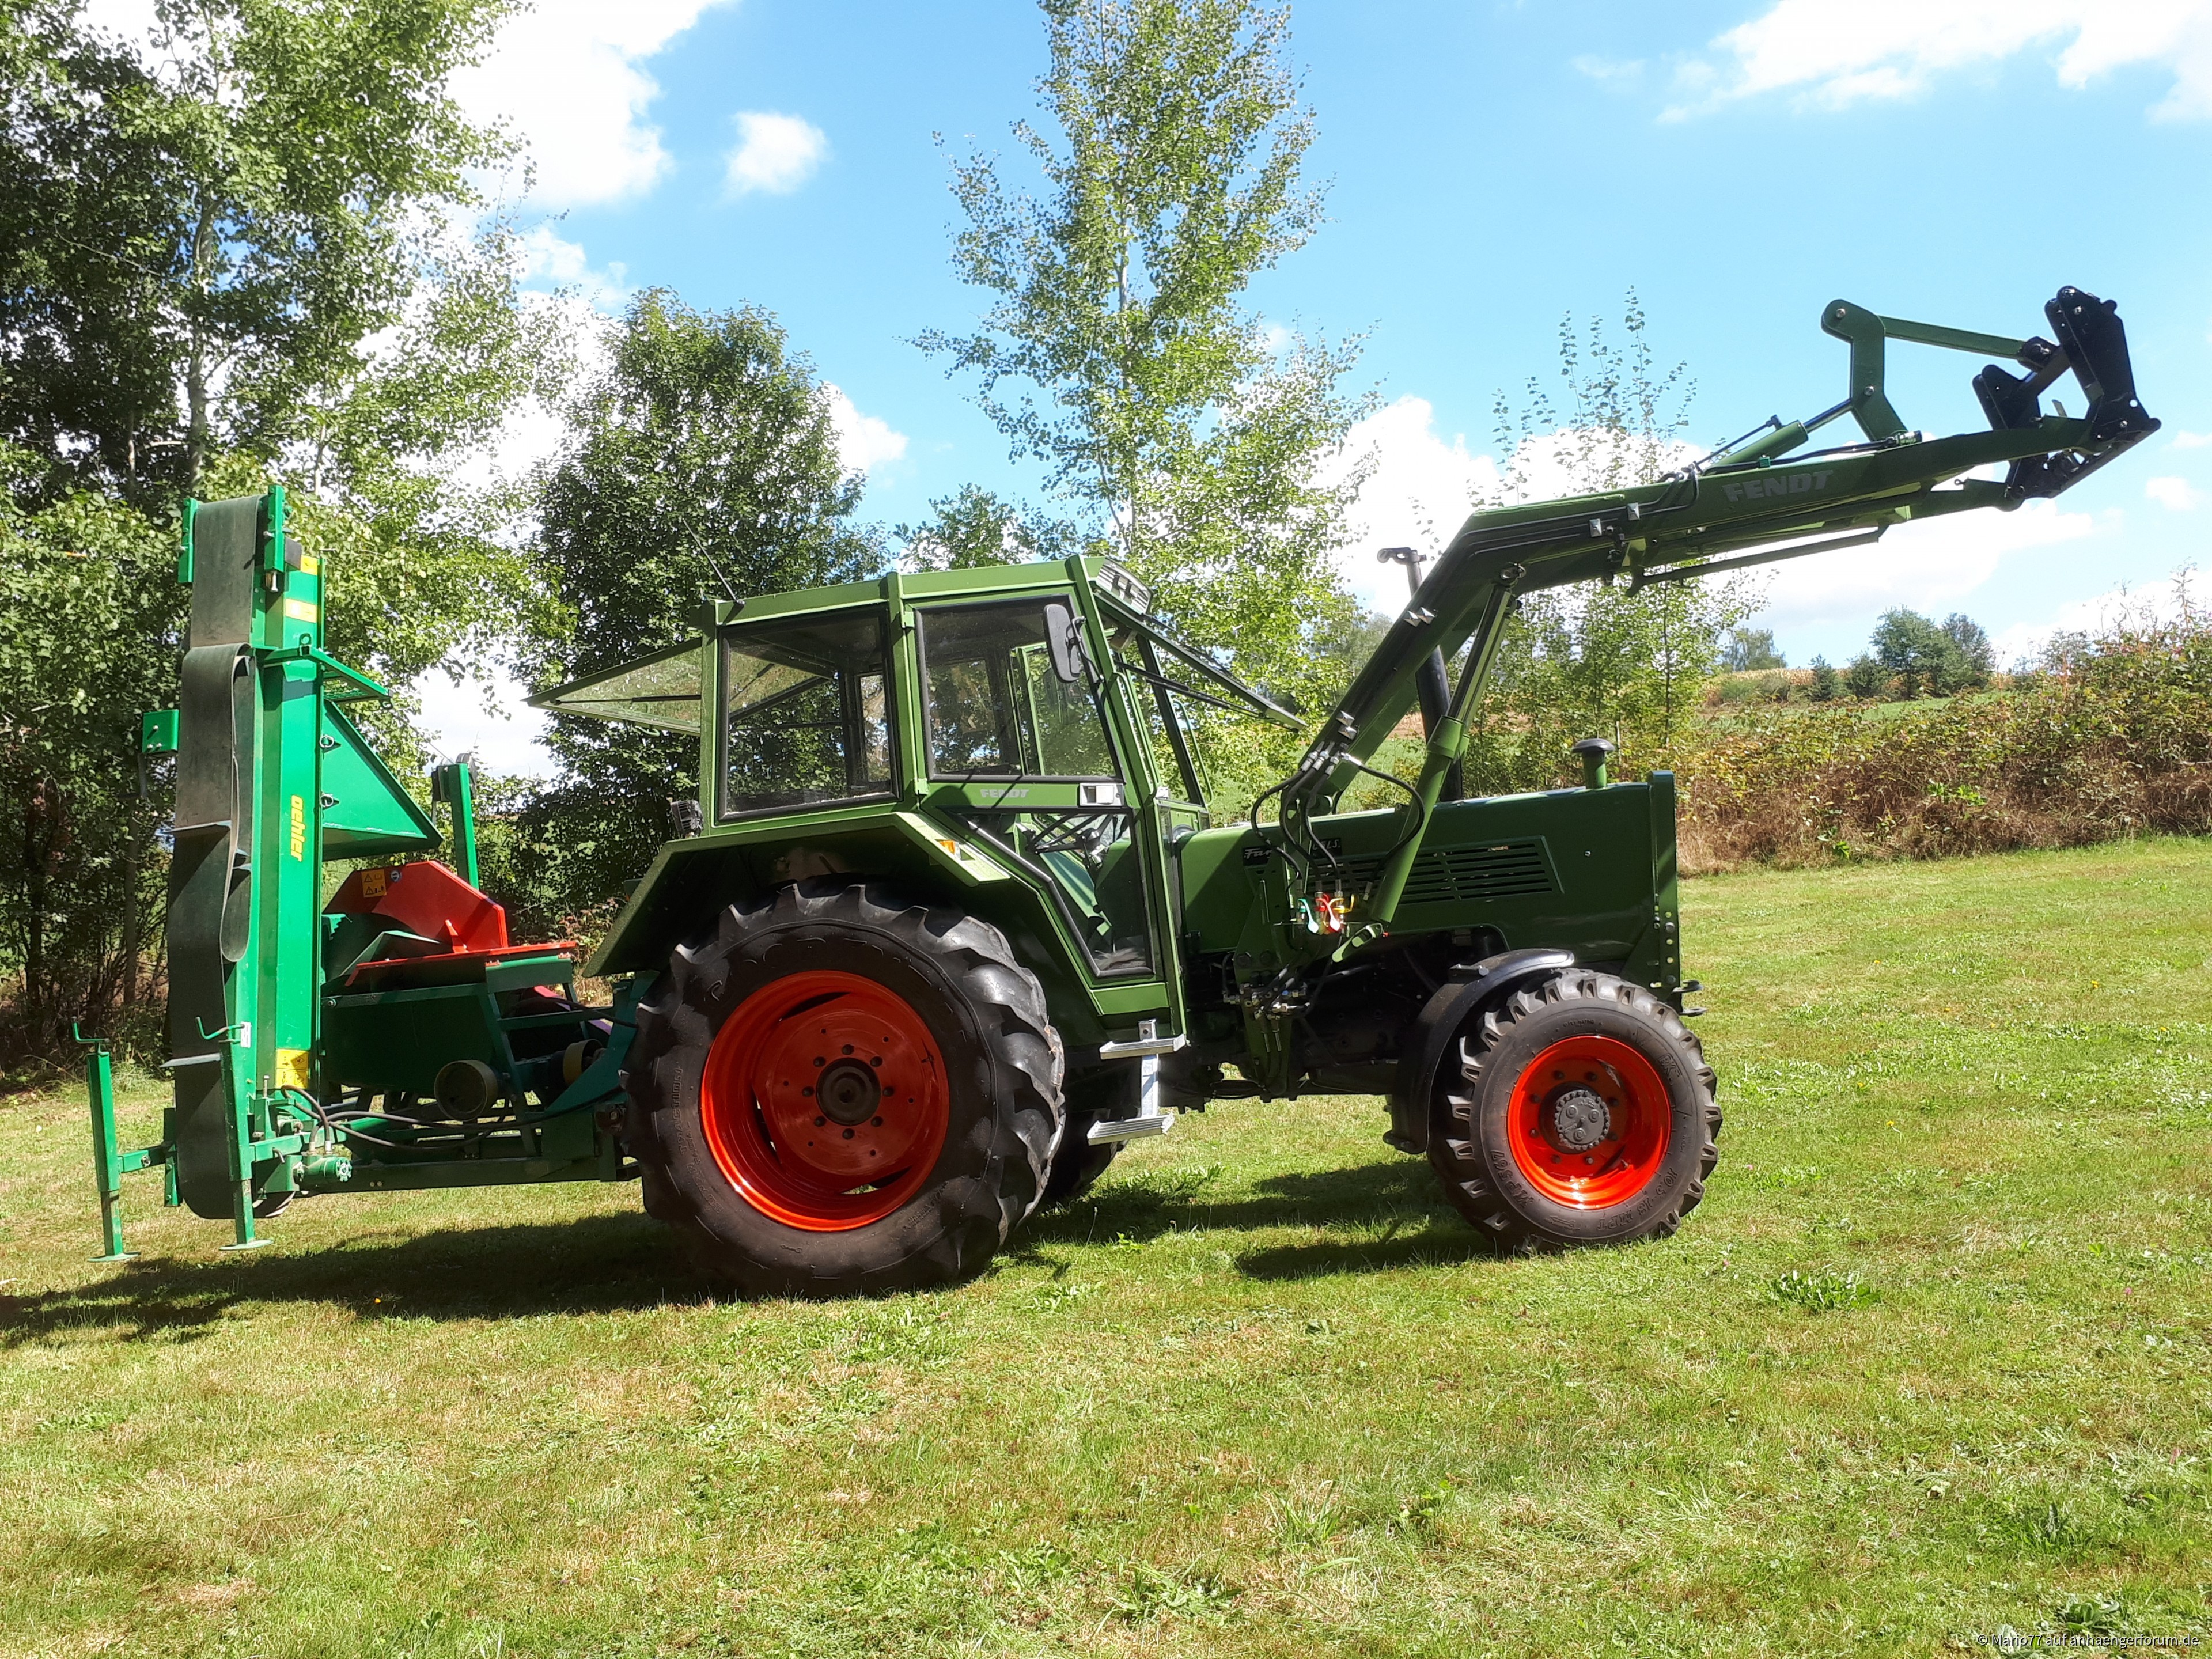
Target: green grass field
(1931,1360)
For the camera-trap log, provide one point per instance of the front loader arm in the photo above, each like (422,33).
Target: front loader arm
(1745,504)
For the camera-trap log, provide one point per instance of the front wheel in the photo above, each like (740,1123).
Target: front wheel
(833,1092)
(1581,1112)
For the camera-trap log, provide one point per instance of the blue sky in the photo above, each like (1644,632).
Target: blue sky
(1490,168)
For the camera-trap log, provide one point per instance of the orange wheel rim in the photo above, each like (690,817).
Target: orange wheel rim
(1588,1122)
(824,1101)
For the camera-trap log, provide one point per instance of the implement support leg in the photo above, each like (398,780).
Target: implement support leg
(107,1157)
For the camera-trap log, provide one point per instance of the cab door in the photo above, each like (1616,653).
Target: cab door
(1031,761)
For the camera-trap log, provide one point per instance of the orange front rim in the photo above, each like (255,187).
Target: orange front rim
(824,1101)
(1588,1122)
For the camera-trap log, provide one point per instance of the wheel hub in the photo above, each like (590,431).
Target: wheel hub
(1580,1119)
(824,1100)
(848,1091)
(1589,1121)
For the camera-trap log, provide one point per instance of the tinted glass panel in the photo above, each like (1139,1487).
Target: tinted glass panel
(996,708)
(661,690)
(806,713)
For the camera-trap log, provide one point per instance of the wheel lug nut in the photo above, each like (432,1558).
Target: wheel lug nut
(820,1122)
(848,1134)
(876,1123)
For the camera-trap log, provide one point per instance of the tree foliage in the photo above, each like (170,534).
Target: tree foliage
(229,259)
(702,463)
(1119,350)
(194,249)
(89,620)
(1605,661)
(974,527)
(1910,656)
(1747,650)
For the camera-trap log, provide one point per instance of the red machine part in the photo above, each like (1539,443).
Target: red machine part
(425,898)
(824,1101)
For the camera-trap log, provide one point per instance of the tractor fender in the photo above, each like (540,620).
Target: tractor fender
(1458,998)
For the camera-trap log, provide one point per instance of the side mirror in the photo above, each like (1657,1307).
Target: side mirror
(1063,639)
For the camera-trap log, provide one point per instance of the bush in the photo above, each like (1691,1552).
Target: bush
(1866,677)
(2113,739)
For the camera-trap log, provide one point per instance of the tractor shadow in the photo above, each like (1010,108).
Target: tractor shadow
(595,1264)
(1372,1217)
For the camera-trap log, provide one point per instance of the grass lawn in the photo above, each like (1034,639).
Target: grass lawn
(1931,1359)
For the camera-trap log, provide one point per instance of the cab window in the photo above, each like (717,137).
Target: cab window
(996,708)
(806,712)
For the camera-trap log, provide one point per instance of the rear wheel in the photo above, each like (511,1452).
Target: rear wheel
(1581,1113)
(835,1092)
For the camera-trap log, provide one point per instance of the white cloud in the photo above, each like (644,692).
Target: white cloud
(774,153)
(1927,566)
(535,427)
(1838,52)
(863,441)
(2192,440)
(1420,490)
(134,22)
(490,720)
(567,76)
(2175,494)
(2160,600)
(1609,68)
(549,258)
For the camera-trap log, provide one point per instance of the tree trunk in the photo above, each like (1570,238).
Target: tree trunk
(134,861)
(35,817)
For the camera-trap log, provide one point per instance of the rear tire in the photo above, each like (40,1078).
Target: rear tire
(1581,1113)
(936,1055)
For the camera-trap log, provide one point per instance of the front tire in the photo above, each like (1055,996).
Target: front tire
(835,1092)
(1581,1113)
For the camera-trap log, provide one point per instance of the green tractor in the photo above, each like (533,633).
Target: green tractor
(952,922)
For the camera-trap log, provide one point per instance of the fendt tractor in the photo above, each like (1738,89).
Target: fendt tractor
(951,922)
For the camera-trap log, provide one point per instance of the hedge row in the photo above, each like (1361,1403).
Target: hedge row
(2113,739)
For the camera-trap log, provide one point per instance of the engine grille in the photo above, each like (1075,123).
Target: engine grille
(1465,875)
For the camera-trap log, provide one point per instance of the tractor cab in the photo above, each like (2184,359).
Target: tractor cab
(1026,727)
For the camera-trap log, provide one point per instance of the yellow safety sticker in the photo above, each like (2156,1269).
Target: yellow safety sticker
(374,883)
(292,1067)
(310,565)
(299,610)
